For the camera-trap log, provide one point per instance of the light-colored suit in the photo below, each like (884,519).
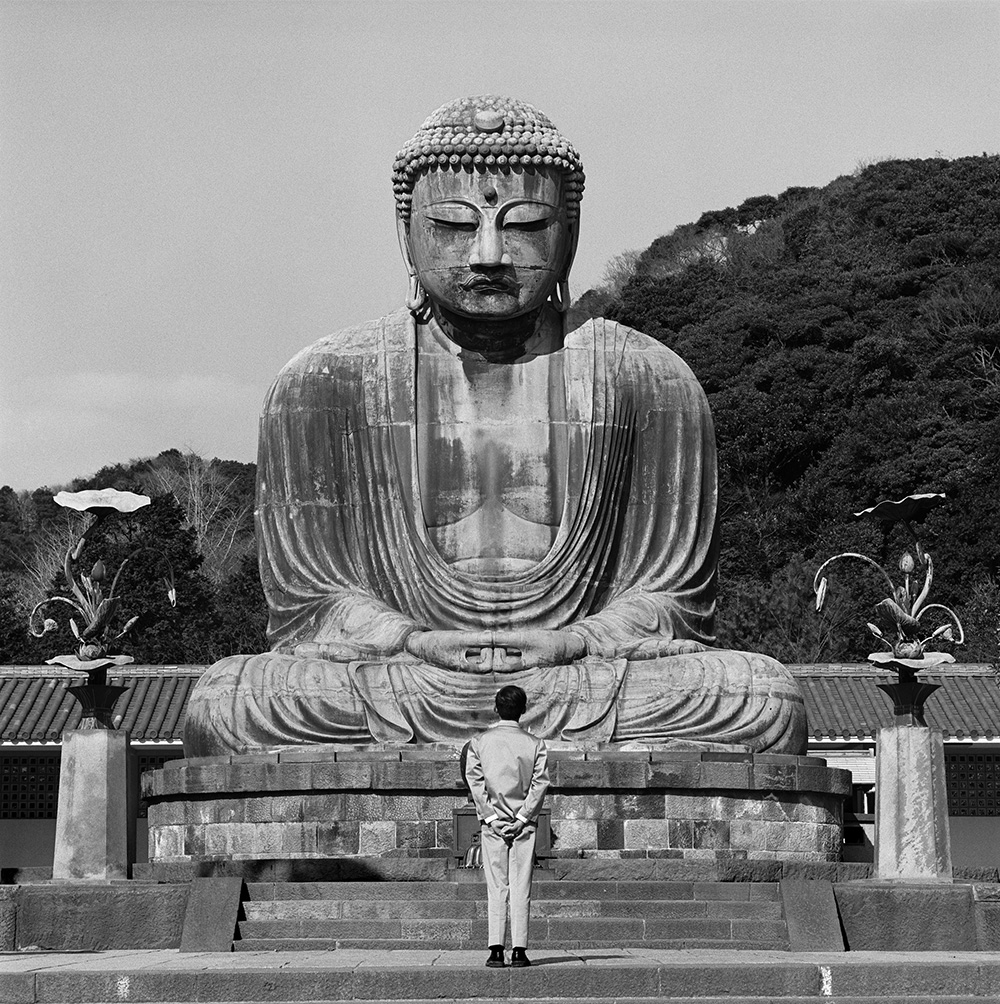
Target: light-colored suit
(507,771)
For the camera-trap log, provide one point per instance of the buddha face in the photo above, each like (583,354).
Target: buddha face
(489,245)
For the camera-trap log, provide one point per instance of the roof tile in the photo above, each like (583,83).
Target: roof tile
(844,701)
(36,706)
(841,701)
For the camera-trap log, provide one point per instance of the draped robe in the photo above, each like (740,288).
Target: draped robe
(349,570)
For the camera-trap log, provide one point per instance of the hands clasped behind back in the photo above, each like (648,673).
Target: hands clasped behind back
(507,830)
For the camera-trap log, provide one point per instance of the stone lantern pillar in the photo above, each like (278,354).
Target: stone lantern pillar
(912,836)
(94,839)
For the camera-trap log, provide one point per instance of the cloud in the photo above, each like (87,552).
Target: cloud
(56,427)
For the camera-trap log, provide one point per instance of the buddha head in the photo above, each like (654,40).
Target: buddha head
(487,204)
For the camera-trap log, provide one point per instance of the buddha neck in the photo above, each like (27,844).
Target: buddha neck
(502,341)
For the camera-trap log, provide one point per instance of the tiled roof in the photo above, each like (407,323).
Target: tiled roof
(35,705)
(842,702)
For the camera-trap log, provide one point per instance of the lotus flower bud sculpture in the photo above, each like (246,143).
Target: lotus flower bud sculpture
(97,630)
(903,629)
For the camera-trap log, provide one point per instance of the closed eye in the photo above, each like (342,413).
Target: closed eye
(453,216)
(455,225)
(528,226)
(526,217)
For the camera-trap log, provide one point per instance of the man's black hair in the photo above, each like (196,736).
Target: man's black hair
(511,702)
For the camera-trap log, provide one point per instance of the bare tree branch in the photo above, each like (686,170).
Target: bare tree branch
(222,523)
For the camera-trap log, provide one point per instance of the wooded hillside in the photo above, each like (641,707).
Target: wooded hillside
(848,338)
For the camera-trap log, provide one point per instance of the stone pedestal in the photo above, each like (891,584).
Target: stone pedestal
(92,824)
(912,840)
(398,801)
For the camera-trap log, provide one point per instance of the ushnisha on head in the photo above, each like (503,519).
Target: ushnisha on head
(487,199)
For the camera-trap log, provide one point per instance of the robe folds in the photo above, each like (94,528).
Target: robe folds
(349,570)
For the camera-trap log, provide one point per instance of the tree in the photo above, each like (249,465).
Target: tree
(15,540)
(217,506)
(619,271)
(242,611)
(16,643)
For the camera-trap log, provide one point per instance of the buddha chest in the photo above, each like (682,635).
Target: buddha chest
(491,457)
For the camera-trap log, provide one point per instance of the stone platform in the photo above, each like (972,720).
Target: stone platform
(619,976)
(398,801)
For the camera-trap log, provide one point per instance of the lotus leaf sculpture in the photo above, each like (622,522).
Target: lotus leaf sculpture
(903,630)
(97,606)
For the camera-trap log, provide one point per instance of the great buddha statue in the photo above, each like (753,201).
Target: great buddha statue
(466,494)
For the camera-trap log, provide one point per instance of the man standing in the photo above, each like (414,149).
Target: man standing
(507,771)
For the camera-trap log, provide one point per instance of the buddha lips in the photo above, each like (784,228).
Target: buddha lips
(491,283)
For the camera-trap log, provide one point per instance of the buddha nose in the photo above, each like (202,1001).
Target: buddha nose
(488,252)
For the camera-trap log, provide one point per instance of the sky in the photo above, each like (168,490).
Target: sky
(191,192)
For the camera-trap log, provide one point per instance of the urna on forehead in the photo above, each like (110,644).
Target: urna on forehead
(487,133)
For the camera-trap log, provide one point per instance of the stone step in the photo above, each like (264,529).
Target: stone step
(436,932)
(400,944)
(648,1000)
(706,978)
(965,999)
(542,889)
(359,909)
(366,869)
(389,909)
(447,915)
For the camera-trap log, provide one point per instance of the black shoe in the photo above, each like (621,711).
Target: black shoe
(495,961)
(519,959)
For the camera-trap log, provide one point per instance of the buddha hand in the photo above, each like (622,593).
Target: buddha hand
(457,650)
(495,651)
(533,648)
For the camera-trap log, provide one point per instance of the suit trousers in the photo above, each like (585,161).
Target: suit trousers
(508,870)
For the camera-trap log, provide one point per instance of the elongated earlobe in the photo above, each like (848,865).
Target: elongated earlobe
(560,296)
(417,300)
(416,296)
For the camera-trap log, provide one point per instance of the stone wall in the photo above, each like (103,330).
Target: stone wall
(86,917)
(398,801)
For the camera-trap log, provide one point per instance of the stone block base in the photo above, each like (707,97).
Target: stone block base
(895,917)
(397,801)
(84,917)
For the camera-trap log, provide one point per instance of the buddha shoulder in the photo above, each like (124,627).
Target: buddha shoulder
(338,362)
(636,356)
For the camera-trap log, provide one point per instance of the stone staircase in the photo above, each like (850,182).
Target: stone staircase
(297,916)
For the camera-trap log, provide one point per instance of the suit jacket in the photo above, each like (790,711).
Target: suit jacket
(508,773)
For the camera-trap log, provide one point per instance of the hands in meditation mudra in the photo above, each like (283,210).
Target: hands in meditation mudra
(465,494)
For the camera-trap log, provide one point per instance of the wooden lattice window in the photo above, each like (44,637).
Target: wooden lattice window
(154,761)
(29,785)
(972,783)
(29,782)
